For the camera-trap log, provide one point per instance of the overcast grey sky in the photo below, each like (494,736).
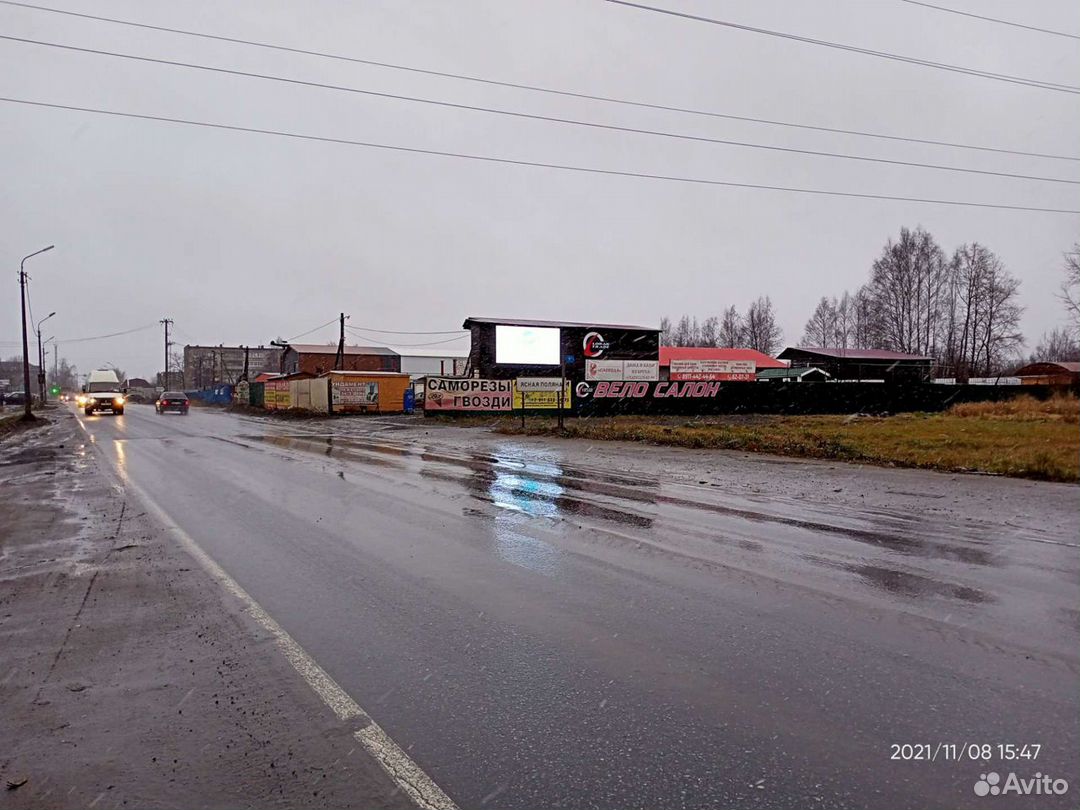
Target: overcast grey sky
(243,237)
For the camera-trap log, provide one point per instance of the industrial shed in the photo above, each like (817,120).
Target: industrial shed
(1049,373)
(861,364)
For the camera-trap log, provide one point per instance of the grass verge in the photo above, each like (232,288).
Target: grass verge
(1022,437)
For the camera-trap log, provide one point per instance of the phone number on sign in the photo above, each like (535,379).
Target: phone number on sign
(956,752)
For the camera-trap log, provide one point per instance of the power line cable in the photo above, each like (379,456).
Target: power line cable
(110,335)
(536,164)
(548,118)
(309,331)
(985,74)
(402,332)
(992,19)
(433,342)
(536,88)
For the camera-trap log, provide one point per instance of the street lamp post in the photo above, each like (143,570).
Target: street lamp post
(41,358)
(25,348)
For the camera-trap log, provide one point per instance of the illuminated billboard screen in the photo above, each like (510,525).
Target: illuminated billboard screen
(527,345)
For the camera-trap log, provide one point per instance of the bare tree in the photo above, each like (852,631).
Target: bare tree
(665,331)
(761,331)
(730,332)
(1070,288)
(987,313)
(865,322)
(820,330)
(909,285)
(710,331)
(66,375)
(844,324)
(1057,346)
(682,334)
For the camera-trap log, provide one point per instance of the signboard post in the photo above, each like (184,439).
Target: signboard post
(562,387)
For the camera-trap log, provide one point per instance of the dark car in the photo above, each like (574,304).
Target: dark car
(172,401)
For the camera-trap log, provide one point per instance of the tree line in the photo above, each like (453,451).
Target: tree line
(757,329)
(961,309)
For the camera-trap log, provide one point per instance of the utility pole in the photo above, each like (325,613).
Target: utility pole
(41,359)
(246,350)
(55,365)
(339,360)
(27,414)
(165,377)
(41,368)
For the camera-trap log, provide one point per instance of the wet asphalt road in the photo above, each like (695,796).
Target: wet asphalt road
(538,631)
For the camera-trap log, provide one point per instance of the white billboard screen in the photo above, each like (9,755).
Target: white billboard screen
(527,345)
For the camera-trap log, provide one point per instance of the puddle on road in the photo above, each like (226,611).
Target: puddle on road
(523,485)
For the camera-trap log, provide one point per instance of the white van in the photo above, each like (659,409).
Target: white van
(102,392)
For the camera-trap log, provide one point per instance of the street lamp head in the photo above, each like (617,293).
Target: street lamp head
(49,315)
(50,247)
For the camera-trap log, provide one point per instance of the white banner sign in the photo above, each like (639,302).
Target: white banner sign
(643,370)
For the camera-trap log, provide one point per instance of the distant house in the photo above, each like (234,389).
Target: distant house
(1049,373)
(861,364)
(807,374)
(315,359)
(708,362)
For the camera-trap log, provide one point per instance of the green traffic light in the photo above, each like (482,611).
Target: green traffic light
(55,390)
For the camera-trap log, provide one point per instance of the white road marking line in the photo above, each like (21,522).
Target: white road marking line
(407,775)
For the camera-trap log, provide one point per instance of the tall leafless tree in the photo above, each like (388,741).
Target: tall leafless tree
(731,328)
(909,284)
(820,330)
(761,331)
(1070,288)
(987,313)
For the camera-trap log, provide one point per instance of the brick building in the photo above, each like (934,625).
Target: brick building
(310,358)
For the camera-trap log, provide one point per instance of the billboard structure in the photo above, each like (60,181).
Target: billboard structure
(526,345)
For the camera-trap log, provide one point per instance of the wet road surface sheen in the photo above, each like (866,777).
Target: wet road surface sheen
(536,630)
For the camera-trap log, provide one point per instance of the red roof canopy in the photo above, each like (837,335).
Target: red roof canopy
(669,353)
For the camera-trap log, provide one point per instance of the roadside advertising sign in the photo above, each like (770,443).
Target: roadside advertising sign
(355,393)
(276,395)
(529,384)
(708,370)
(603,369)
(644,370)
(545,398)
(450,394)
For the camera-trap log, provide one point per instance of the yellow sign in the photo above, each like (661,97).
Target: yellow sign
(540,400)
